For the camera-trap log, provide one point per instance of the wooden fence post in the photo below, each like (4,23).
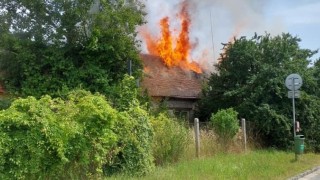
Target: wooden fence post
(197,136)
(244,131)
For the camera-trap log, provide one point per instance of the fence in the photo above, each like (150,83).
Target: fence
(204,132)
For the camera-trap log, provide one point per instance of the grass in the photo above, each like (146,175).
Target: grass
(215,163)
(209,145)
(261,164)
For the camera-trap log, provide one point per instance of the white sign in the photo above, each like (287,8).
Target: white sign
(293,82)
(296,94)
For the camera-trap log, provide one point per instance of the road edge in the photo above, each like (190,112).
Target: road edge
(305,173)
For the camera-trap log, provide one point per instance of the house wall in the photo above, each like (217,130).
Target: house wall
(180,107)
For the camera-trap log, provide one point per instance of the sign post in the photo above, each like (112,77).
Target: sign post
(293,83)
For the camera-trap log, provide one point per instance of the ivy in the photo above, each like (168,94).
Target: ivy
(81,135)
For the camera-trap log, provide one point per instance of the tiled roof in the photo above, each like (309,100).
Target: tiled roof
(160,80)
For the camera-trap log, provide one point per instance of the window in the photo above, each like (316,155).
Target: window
(182,114)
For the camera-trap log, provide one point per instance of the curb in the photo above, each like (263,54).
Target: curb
(305,173)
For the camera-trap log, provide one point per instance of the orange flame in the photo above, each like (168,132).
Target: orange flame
(173,49)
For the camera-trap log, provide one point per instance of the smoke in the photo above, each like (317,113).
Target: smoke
(212,22)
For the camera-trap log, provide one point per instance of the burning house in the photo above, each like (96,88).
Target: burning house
(177,88)
(170,76)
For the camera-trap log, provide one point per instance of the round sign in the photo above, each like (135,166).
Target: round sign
(293,81)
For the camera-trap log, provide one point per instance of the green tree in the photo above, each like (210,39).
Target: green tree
(49,47)
(250,78)
(317,75)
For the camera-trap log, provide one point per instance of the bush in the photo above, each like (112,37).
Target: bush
(42,138)
(33,142)
(170,139)
(5,103)
(126,94)
(133,150)
(80,136)
(94,141)
(225,125)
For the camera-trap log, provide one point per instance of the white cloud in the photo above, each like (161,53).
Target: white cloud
(300,15)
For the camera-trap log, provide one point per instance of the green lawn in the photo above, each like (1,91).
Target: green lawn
(253,165)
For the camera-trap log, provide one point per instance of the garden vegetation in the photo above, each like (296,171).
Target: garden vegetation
(72,112)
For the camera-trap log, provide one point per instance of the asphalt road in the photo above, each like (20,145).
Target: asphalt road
(313,174)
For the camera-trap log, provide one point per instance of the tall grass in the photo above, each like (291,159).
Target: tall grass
(215,163)
(209,145)
(260,164)
(170,139)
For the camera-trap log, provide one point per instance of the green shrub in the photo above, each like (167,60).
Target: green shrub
(5,102)
(77,137)
(170,139)
(126,94)
(132,155)
(96,119)
(134,148)
(42,138)
(225,125)
(32,141)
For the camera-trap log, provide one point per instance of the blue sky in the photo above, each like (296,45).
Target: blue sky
(301,18)
(241,17)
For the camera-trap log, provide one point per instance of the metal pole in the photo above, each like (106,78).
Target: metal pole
(197,138)
(293,109)
(294,115)
(130,67)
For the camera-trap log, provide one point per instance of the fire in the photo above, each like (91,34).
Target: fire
(174,49)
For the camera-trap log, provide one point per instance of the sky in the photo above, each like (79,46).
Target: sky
(216,21)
